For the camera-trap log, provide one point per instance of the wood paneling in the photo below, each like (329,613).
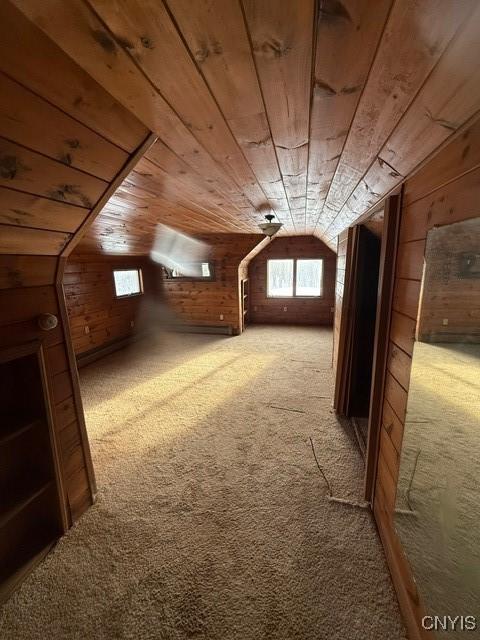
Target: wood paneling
(97,317)
(26,271)
(312,110)
(340,75)
(22,299)
(201,303)
(282,37)
(40,66)
(26,210)
(56,159)
(17,240)
(310,311)
(404,106)
(445,190)
(22,120)
(63,143)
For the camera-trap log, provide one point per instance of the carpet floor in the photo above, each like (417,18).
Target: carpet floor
(212,520)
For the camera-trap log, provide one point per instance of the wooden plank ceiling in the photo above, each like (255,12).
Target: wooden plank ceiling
(314,110)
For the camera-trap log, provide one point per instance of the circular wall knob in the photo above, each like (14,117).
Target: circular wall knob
(47,321)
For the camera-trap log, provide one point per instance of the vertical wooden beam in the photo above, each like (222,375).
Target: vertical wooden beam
(388,253)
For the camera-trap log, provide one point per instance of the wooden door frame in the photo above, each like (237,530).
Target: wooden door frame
(340,402)
(386,282)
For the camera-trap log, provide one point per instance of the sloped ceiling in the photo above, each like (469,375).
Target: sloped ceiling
(314,110)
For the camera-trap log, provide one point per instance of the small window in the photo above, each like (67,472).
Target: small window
(191,271)
(128,282)
(288,278)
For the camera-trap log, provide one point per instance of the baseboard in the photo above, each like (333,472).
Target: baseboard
(226,330)
(99,352)
(408,597)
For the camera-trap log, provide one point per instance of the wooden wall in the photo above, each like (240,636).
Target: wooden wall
(445,190)
(201,303)
(34,294)
(63,142)
(310,311)
(97,317)
(448,294)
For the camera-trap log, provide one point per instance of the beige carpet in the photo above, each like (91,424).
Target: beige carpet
(440,517)
(212,520)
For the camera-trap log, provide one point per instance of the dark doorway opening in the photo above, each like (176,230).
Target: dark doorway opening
(364,328)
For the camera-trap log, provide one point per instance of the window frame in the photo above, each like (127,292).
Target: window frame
(140,281)
(294,283)
(168,274)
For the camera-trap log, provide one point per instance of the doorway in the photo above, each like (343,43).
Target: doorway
(364,323)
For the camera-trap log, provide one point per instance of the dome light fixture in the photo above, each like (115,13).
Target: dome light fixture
(270,228)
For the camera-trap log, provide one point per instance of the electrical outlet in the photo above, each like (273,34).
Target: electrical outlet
(445,322)
(87,329)
(221,316)
(285,308)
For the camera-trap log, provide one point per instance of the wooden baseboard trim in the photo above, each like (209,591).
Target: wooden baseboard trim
(405,587)
(100,352)
(226,330)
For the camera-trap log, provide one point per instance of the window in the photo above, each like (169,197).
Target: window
(192,271)
(309,278)
(288,278)
(280,278)
(128,282)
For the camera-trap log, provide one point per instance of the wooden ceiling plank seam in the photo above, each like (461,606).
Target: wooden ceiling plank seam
(25,169)
(180,180)
(227,121)
(351,210)
(291,146)
(425,161)
(27,241)
(374,57)
(119,126)
(23,114)
(162,118)
(250,41)
(312,79)
(131,162)
(152,194)
(43,197)
(463,48)
(348,83)
(430,60)
(204,143)
(26,210)
(212,76)
(467,46)
(52,158)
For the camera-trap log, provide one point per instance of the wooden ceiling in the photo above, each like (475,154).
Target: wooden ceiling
(315,110)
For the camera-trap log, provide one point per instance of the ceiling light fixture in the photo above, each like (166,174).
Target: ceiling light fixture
(270,228)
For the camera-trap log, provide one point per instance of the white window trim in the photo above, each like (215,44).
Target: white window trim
(140,282)
(294,275)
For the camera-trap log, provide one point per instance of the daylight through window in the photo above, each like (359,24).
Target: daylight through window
(128,282)
(287,278)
